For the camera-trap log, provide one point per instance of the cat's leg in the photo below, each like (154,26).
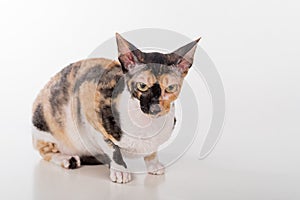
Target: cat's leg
(153,165)
(50,152)
(119,172)
(47,146)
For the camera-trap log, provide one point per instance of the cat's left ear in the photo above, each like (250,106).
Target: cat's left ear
(185,56)
(128,54)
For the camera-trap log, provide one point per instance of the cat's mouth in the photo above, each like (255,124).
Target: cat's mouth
(153,110)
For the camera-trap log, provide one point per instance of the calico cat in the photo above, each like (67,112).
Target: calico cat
(100,111)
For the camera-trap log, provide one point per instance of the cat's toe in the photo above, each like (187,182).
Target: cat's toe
(156,169)
(119,176)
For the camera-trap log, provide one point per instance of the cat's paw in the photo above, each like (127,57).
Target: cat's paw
(71,162)
(119,176)
(156,169)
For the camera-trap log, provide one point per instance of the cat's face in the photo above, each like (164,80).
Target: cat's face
(155,86)
(155,79)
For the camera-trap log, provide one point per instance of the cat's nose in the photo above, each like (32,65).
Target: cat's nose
(154,109)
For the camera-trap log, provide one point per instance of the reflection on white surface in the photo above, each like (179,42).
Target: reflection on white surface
(89,182)
(187,179)
(24,175)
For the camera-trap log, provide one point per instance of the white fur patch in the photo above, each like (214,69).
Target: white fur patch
(42,136)
(142,134)
(83,136)
(119,176)
(64,160)
(155,168)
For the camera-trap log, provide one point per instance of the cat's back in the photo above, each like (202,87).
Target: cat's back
(49,106)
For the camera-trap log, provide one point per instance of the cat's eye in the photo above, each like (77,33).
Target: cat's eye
(142,86)
(172,88)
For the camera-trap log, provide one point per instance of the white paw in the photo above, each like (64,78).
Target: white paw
(156,168)
(119,176)
(71,162)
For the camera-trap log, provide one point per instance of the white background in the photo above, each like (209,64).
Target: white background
(255,46)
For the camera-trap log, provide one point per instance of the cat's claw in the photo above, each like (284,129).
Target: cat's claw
(119,176)
(156,169)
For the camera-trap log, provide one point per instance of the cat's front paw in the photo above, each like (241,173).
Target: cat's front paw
(119,176)
(156,169)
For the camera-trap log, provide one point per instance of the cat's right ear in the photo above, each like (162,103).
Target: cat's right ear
(128,54)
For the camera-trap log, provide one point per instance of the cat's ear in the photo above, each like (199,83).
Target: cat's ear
(128,54)
(185,56)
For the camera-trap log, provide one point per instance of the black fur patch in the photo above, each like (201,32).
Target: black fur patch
(78,109)
(112,91)
(72,163)
(117,156)
(108,112)
(100,159)
(159,70)
(110,120)
(76,67)
(38,119)
(155,57)
(107,92)
(150,97)
(174,122)
(113,73)
(59,93)
(93,74)
(133,90)
(118,89)
(159,58)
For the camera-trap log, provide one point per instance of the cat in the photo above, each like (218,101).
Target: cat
(101,111)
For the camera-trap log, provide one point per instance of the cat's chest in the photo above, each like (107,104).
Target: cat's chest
(142,134)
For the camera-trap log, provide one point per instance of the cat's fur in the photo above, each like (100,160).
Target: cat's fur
(96,110)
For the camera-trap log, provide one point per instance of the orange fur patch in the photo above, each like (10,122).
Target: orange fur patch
(46,149)
(150,157)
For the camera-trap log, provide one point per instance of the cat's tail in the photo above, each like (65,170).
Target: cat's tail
(95,160)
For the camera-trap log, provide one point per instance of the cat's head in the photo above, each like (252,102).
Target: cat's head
(155,79)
